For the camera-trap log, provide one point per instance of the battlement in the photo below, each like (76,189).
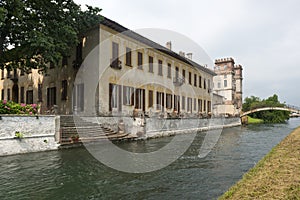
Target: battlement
(224,60)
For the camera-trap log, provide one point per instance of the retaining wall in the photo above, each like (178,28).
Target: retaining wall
(38,134)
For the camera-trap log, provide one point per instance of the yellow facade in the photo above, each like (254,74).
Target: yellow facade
(124,86)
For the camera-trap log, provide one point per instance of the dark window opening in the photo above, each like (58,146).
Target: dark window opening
(64,90)
(150,98)
(128,57)
(51,97)
(40,94)
(160,68)
(140,60)
(64,61)
(169,70)
(151,64)
(22,99)
(29,97)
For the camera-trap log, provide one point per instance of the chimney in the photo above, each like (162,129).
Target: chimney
(189,55)
(181,53)
(169,45)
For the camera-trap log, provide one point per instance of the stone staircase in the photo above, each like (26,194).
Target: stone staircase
(84,131)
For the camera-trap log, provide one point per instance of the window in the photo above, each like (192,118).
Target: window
(127,95)
(128,57)
(199,105)
(225,83)
(2,94)
(8,94)
(190,78)
(160,101)
(115,55)
(22,95)
(176,102)
(169,70)
(204,105)
(183,75)
(64,90)
(15,93)
(150,98)
(195,104)
(64,61)
(176,73)
(160,67)
(51,97)
(113,96)
(169,101)
(219,84)
(189,104)
(2,73)
(200,82)
(183,102)
(208,106)
(140,60)
(52,65)
(22,72)
(195,80)
(204,83)
(40,94)
(8,73)
(15,73)
(140,99)
(151,64)
(29,96)
(77,98)
(208,85)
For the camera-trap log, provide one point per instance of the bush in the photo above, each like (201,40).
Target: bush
(10,107)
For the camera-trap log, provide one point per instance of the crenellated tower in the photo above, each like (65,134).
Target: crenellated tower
(228,83)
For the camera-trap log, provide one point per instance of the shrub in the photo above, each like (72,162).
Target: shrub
(10,107)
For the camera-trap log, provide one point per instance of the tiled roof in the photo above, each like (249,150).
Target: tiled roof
(129,33)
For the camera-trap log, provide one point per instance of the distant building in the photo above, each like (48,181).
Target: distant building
(228,83)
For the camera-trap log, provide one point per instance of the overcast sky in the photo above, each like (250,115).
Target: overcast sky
(261,35)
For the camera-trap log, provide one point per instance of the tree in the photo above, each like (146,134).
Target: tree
(36,32)
(272,116)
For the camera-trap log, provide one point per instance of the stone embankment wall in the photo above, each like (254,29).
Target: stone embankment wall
(156,127)
(160,127)
(38,134)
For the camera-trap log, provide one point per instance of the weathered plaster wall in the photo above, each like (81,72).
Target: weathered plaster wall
(38,134)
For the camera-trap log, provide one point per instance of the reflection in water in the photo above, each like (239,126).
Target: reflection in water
(75,174)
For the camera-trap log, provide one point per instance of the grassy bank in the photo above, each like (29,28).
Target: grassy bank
(254,120)
(276,176)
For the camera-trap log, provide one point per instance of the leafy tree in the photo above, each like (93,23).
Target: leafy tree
(35,32)
(271,116)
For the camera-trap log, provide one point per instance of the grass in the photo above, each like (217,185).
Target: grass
(276,176)
(254,120)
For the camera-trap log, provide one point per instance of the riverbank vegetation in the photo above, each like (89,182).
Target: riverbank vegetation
(276,176)
(254,120)
(269,116)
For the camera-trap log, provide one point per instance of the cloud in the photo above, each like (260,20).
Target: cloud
(263,36)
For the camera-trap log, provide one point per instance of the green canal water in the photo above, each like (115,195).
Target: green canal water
(76,174)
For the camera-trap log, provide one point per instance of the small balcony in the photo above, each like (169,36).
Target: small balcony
(115,64)
(178,81)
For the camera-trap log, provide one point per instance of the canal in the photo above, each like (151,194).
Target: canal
(76,174)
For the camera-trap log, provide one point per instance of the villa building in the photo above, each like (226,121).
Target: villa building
(135,75)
